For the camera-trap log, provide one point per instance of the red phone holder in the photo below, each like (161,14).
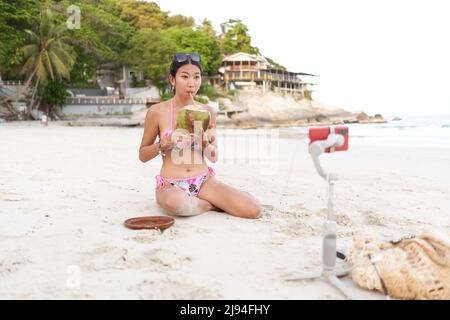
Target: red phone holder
(322,133)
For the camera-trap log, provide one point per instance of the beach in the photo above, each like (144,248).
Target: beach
(65,192)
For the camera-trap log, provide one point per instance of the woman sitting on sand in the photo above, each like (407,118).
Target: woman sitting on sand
(187,189)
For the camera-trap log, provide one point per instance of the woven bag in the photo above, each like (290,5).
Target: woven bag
(409,268)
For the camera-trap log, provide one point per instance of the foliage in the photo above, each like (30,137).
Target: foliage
(53,94)
(102,35)
(151,51)
(117,32)
(209,91)
(180,21)
(47,54)
(15,17)
(201,100)
(275,65)
(166,96)
(236,38)
(189,40)
(208,28)
(142,14)
(308,95)
(135,83)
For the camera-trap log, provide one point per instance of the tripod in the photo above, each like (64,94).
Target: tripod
(329,250)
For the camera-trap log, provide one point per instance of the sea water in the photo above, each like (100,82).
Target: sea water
(427,131)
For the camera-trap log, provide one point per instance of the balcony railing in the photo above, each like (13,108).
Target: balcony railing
(249,75)
(11,83)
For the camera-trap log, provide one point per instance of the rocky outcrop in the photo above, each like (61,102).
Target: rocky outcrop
(362,117)
(275,110)
(254,110)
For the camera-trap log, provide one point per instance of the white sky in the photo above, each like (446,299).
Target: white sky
(389,57)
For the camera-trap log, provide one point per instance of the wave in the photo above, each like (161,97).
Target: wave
(397,126)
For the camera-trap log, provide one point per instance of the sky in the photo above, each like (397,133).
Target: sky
(389,57)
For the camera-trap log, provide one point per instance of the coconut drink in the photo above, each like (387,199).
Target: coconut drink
(193,119)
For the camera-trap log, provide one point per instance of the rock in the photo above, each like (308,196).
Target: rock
(396,119)
(378,116)
(362,116)
(322,118)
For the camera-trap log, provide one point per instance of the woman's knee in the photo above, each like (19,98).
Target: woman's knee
(251,209)
(174,203)
(254,209)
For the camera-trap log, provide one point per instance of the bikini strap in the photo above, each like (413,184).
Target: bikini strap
(171,114)
(211,171)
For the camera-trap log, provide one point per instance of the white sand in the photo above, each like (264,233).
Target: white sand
(65,191)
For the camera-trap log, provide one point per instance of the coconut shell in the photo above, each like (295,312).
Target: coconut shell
(189,115)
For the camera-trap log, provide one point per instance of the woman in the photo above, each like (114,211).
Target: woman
(187,189)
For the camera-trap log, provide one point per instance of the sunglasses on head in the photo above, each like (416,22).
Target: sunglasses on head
(183,57)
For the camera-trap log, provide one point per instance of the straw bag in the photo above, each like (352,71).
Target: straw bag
(409,268)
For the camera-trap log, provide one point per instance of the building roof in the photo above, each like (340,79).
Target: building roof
(243,56)
(290,72)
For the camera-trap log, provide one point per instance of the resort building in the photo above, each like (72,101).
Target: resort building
(244,71)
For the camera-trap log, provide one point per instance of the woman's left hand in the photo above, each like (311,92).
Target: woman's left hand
(206,140)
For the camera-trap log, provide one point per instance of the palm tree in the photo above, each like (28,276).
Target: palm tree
(48,56)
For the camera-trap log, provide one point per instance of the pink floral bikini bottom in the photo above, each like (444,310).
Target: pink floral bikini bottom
(189,185)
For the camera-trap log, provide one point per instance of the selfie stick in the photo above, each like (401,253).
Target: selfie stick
(329,250)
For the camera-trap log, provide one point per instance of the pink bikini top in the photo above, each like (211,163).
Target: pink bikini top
(169,132)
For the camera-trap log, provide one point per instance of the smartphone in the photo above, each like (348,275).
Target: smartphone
(321,133)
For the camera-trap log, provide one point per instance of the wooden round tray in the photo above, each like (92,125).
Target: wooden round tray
(151,222)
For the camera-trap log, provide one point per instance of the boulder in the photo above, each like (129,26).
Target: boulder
(362,116)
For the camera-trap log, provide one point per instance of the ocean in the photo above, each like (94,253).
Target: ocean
(427,131)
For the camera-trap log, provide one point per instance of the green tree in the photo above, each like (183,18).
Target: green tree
(235,38)
(15,17)
(208,28)
(142,14)
(102,37)
(47,55)
(102,34)
(53,97)
(151,51)
(189,40)
(180,21)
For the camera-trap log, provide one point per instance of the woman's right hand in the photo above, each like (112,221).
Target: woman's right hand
(166,143)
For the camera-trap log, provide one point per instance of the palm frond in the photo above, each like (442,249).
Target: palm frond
(64,56)
(41,72)
(33,36)
(61,69)
(48,64)
(30,50)
(49,43)
(29,66)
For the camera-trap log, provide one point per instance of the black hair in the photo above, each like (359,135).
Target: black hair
(177,65)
